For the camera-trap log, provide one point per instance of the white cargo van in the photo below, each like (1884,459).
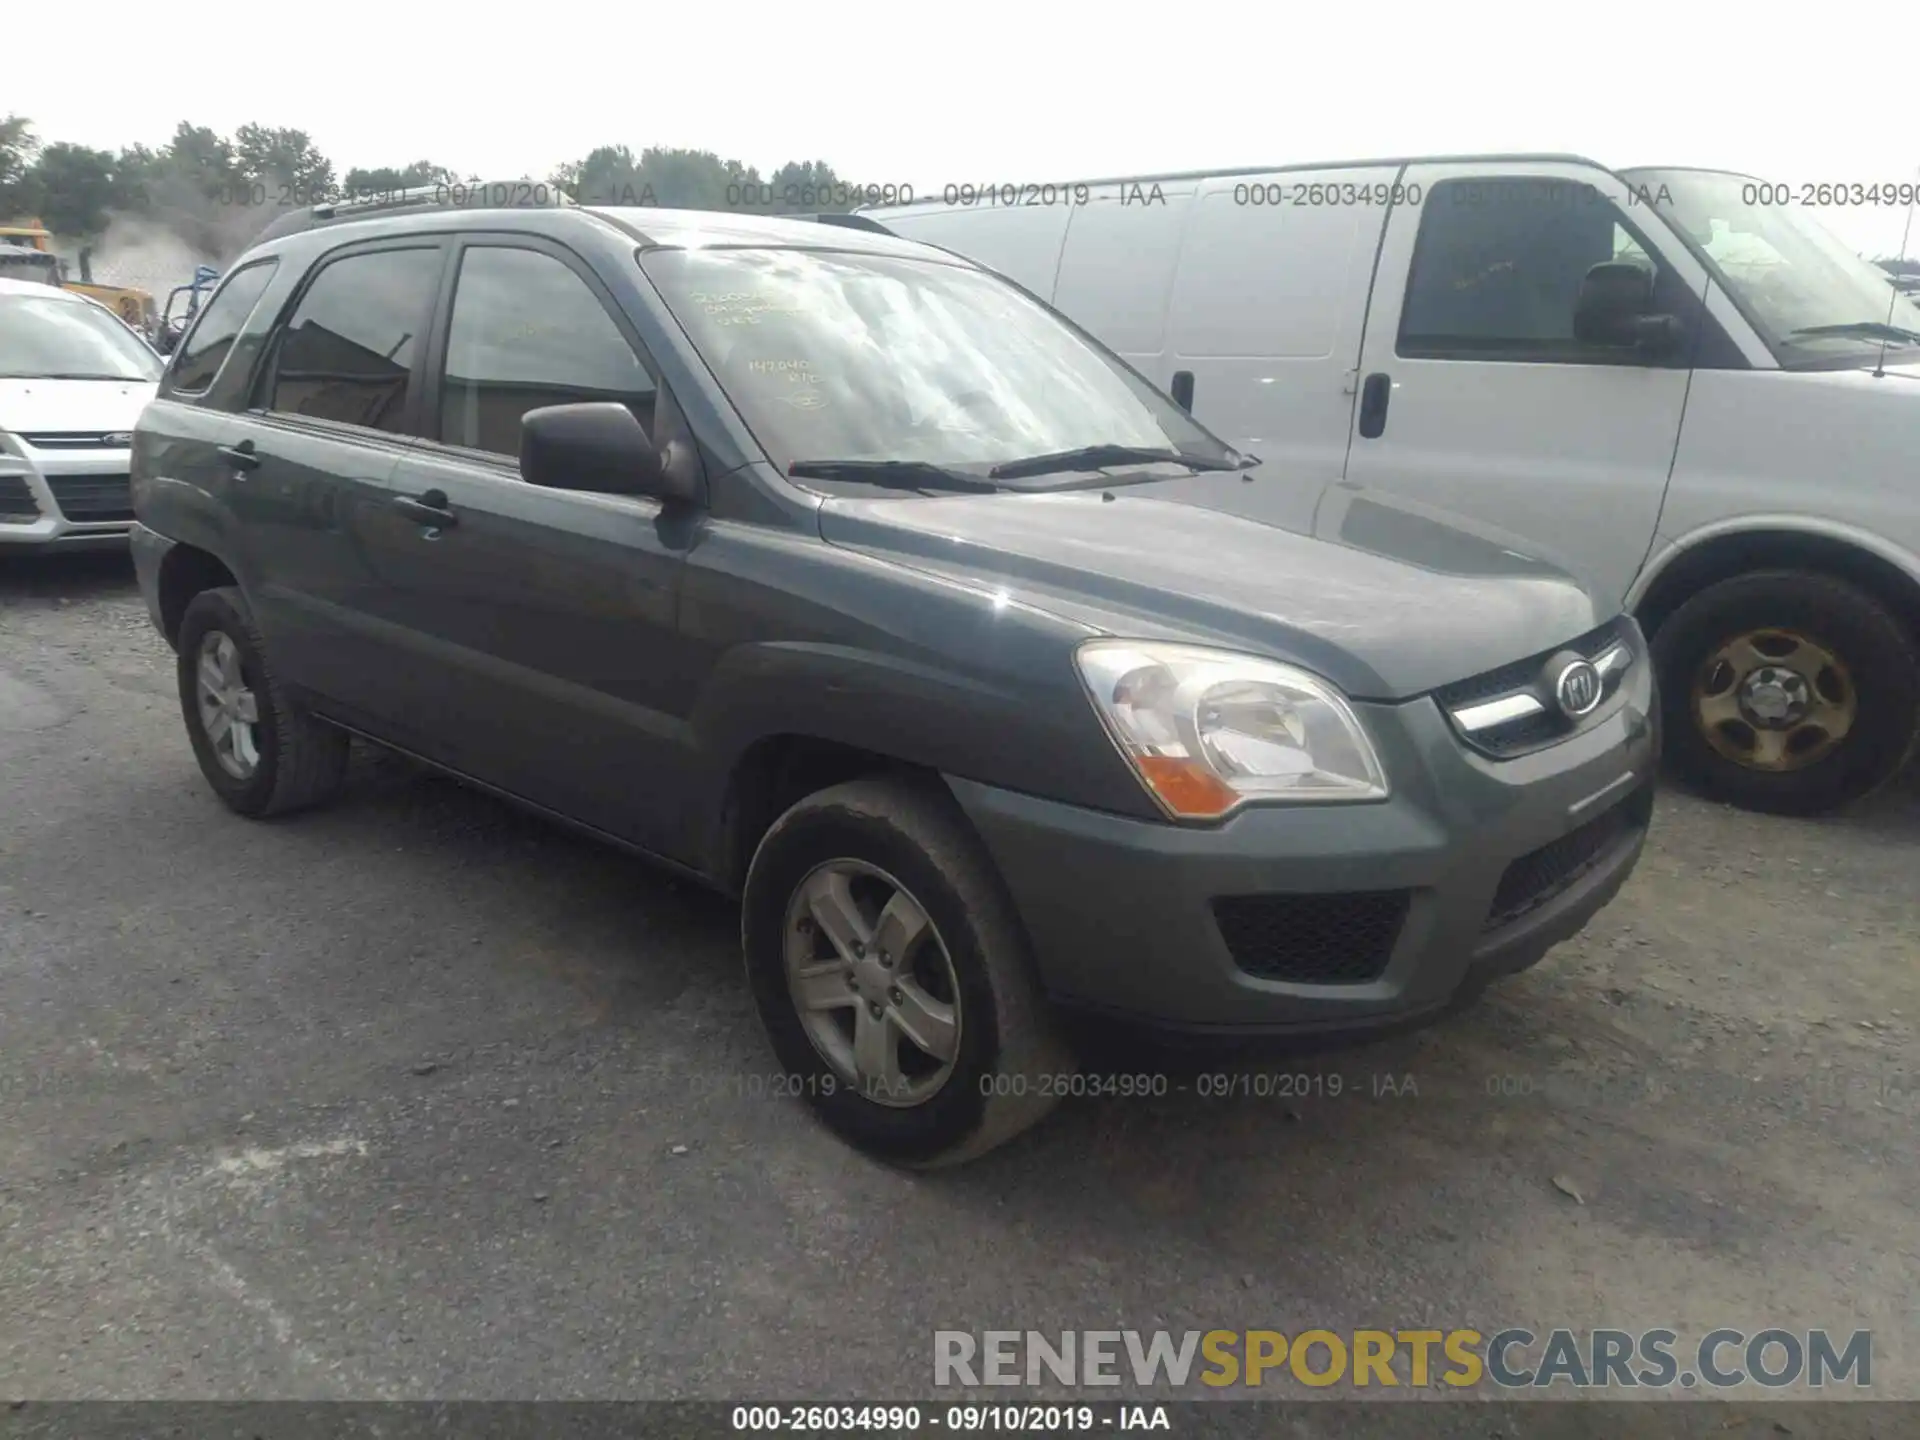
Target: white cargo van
(1673,380)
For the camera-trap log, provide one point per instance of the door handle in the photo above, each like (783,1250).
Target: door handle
(240,456)
(1373,405)
(429,509)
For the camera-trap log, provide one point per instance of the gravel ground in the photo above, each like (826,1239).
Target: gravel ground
(419,1097)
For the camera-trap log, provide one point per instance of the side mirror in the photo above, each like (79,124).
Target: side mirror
(597,446)
(1615,308)
(1658,335)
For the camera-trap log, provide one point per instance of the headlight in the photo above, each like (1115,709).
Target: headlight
(1208,730)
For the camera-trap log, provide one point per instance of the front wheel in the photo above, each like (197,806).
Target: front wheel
(1787,692)
(892,978)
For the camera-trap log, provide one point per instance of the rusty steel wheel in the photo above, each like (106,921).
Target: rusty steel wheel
(1774,700)
(1787,691)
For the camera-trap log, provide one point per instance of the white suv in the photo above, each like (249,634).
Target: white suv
(73,380)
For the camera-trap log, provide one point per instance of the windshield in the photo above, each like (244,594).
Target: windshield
(846,356)
(59,337)
(1785,270)
(28,265)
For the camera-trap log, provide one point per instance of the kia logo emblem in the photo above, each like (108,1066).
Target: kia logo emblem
(119,439)
(1577,689)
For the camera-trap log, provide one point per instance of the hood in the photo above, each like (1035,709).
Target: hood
(72,405)
(1386,599)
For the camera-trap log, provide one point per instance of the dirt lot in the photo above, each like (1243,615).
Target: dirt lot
(419,1097)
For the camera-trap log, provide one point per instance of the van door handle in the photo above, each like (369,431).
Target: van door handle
(429,509)
(240,456)
(1182,391)
(1373,405)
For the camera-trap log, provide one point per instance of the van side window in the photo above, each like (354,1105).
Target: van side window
(1498,264)
(527,331)
(205,347)
(349,349)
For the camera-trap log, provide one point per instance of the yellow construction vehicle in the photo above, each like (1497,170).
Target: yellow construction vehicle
(26,252)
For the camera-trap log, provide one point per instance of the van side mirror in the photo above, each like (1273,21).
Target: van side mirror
(1615,308)
(596,446)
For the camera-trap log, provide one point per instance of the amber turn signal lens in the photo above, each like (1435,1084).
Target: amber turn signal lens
(1188,787)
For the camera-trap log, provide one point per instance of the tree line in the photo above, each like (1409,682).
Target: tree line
(217,191)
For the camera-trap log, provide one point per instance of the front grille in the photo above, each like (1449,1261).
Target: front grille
(1541,875)
(73,440)
(16,501)
(92,497)
(1521,673)
(1547,725)
(1341,939)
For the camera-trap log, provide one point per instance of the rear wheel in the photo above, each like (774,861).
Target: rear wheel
(1787,691)
(260,753)
(893,979)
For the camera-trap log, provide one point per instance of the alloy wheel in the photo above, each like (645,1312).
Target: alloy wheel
(872,982)
(229,713)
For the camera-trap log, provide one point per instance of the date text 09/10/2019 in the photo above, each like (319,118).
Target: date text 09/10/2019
(953,1419)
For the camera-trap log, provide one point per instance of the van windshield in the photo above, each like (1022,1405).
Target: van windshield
(844,356)
(60,338)
(17,263)
(1815,302)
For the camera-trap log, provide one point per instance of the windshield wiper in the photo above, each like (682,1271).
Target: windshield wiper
(1861,330)
(1094,457)
(893,475)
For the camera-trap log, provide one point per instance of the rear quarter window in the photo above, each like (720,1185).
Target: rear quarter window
(203,349)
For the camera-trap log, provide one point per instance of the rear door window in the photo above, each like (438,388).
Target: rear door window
(348,351)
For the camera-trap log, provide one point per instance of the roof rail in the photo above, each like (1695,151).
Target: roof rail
(852,222)
(449,195)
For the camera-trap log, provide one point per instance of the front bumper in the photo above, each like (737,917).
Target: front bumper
(63,498)
(1341,917)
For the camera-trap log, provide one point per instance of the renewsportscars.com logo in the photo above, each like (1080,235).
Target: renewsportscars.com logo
(1510,1359)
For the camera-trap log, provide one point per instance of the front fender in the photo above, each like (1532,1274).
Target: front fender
(822,643)
(1025,735)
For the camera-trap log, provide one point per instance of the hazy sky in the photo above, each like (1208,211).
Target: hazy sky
(994,91)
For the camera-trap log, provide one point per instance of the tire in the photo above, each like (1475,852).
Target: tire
(1877,666)
(1008,1060)
(300,760)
